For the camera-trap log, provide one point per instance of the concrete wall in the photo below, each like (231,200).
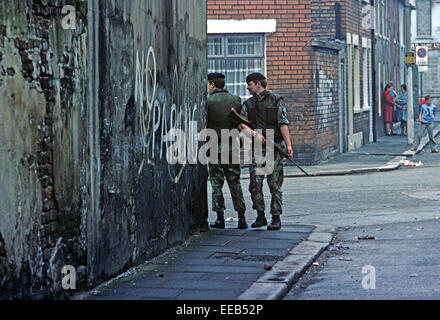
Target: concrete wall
(43,151)
(84,176)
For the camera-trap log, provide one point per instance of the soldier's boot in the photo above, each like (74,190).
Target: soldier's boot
(242,224)
(261,220)
(275,224)
(220,222)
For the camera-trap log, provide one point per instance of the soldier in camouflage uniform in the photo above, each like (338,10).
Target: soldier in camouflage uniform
(266,110)
(219,104)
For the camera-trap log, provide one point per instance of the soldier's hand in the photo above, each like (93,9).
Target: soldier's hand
(259,137)
(289,152)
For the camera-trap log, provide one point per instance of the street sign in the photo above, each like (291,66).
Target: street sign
(422,56)
(423,69)
(410,59)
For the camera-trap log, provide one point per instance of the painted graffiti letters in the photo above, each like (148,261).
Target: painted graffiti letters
(169,125)
(162,123)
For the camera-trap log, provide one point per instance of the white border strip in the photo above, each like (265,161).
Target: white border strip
(242,26)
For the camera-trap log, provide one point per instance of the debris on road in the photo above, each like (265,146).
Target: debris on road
(337,247)
(368,237)
(267,267)
(345,259)
(408,163)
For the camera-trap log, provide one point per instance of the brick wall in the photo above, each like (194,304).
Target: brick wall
(327,102)
(325,20)
(291,67)
(288,51)
(361,124)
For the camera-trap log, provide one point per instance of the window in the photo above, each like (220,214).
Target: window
(366,73)
(377,16)
(402,29)
(365,81)
(370,74)
(379,91)
(383,12)
(236,56)
(356,73)
(349,72)
(382,18)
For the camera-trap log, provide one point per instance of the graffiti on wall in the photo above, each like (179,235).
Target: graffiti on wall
(162,123)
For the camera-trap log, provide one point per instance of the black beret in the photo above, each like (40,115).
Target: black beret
(215,75)
(255,77)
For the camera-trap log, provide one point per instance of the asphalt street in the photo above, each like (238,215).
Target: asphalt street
(394,212)
(398,210)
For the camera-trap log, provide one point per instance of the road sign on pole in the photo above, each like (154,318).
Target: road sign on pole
(423,69)
(410,58)
(422,56)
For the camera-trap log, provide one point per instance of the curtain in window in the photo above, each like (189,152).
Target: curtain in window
(243,55)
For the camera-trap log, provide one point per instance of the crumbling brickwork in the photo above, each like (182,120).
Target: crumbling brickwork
(84,178)
(36,65)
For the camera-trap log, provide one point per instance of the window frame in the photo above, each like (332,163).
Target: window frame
(225,56)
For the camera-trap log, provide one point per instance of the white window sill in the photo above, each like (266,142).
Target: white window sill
(241,26)
(360,110)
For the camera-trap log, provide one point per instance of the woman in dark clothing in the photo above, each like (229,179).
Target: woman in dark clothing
(388,103)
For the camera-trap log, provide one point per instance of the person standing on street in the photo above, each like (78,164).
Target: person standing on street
(266,111)
(219,104)
(426,117)
(388,103)
(402,101)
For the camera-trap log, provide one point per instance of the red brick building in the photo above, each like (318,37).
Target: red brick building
(391,44)
(315,53)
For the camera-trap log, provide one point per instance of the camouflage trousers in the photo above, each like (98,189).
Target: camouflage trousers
(274,181)
(218,173)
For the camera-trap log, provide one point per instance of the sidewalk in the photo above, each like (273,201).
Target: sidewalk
(383,155)
(252,264)
(227,264)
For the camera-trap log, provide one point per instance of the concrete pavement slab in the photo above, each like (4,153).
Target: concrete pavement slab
(264,244)
(205,285)
(245,277)
(309,248)
(221,272)
(137,294)
(208,294)
(265,252)
(265,291)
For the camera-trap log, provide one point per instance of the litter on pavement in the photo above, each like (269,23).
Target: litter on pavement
(368,237)
(338,247)
(408,163)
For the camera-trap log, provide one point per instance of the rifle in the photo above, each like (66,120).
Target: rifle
(235,117)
